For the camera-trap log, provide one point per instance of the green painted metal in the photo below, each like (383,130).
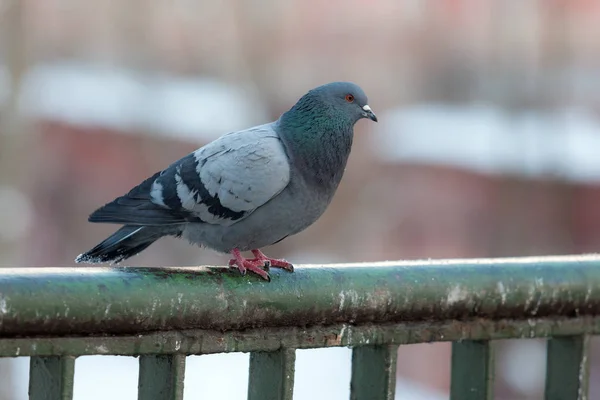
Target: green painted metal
(164,314)
(161,377)
(51,378)
(472,370)
(270,339)
(272,375)
(130,300)
(373,372)
(567,371)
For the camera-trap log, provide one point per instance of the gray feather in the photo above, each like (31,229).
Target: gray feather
(247,189)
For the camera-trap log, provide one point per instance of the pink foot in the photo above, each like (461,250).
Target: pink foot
(254,265)
(273,262)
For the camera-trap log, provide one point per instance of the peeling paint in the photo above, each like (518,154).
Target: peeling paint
(102,349)
(502,291)
(349,335)
(342,331)
(155,299)
(270,339)
(588,294)
(3,306)
(529,299)
(532,326)
(537,306)
(351,299)
(457,294)
(583,376)
(223,297)
(539,282)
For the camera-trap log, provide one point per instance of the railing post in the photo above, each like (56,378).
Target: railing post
(472,370)
(373,372)
(161,377)
(272,375)
(51,378)
(567,370)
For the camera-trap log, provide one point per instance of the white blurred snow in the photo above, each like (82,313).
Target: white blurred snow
(486,139)
(125,100)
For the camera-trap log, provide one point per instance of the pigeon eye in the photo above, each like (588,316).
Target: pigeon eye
(349,98)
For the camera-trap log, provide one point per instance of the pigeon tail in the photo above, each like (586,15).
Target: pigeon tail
(124,243)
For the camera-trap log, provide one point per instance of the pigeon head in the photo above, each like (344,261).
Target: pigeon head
(318,130)
(344,100)
(339,104)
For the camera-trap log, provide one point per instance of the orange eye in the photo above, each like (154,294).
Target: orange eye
(349,98)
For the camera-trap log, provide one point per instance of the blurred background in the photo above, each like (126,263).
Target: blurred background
(487,145)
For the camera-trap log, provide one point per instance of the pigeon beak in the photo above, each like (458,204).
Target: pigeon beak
(368,113)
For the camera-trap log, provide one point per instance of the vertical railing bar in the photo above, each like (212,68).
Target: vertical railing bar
(373,372)
(51,378)
(161,377)
(272,375)
(567,368)
(472,370)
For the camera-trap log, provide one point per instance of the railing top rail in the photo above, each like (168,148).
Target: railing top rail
(127,300)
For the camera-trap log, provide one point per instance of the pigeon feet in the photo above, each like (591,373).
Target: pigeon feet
(244,264)
(257,263)
(273,262)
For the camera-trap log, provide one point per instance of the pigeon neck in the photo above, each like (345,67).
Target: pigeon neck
(317,144)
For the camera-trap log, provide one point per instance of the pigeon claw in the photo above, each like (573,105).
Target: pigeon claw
(242,269)
(255,267)
(272,262)
(252,265)
(258,264)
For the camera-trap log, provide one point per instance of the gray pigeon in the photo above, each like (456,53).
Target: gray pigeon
(245,190)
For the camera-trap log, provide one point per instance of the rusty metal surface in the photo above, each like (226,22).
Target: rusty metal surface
(130,300)
(272,339)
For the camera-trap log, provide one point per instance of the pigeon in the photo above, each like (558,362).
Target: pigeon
(245,190)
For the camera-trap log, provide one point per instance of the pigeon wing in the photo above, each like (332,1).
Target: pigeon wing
(220,183)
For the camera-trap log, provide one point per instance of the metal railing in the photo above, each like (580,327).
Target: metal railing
(164,314)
